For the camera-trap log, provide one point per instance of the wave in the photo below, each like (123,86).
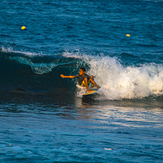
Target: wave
(118,81)
(32,72)
(23,72)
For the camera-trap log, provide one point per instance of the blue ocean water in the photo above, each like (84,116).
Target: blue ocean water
(44,118)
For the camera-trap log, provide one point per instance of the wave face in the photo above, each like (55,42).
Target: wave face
(23,72)
(34,73)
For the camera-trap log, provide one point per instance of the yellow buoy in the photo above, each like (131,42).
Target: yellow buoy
(128,35)
(23,28)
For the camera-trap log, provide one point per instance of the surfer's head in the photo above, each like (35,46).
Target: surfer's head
(82,71)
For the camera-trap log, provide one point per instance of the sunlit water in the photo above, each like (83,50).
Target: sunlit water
(80,132)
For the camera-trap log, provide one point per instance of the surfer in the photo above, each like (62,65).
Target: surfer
(83,79)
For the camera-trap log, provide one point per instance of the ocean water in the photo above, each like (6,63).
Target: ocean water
(44,118)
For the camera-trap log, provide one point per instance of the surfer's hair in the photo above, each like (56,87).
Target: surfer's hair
(83,68)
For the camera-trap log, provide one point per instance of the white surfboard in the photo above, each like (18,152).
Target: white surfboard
(84,91)
(93,91)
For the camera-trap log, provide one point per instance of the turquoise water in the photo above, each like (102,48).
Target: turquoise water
(44,118)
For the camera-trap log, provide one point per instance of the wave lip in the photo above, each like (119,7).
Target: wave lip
(10,50)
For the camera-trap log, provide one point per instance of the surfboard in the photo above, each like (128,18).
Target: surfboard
(83,91)
(91,92)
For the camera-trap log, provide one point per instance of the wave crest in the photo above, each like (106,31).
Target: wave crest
(118,81)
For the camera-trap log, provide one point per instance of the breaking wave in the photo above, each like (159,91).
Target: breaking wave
(118,81)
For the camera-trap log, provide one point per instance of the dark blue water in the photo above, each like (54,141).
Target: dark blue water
(44,117)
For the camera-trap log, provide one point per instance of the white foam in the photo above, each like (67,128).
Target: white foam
(72,55)
(118,81)
(80,90)
(30,54)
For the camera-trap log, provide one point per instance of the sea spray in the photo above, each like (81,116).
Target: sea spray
(118,81)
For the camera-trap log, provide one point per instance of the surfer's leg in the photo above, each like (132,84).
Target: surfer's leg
(86,84)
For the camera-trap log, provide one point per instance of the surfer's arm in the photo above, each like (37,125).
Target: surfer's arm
(63,76)
(92,81)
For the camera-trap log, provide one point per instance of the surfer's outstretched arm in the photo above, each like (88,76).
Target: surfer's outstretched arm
(63,76)
(92,81)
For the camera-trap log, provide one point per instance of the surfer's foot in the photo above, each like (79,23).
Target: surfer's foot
(89,91)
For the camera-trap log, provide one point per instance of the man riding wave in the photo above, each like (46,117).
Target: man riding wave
(83,79)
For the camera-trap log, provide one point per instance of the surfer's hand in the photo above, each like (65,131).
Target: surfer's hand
(89,90)
(62,76)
